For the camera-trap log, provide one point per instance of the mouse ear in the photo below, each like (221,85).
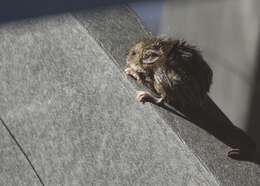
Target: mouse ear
(150,57)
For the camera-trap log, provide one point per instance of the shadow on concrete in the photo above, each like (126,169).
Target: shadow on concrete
(253,121)
(215,122)
(18,9)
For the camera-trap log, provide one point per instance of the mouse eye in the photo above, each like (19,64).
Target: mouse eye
(154,55)
(146,56)
(150,57)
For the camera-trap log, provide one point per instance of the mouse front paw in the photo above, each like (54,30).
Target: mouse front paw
(144,96)
(129,71)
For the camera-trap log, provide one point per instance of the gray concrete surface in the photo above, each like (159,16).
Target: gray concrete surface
(208,143)
(74,112)
(14,169)
(68,103)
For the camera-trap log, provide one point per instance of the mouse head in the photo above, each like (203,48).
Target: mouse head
(149,53)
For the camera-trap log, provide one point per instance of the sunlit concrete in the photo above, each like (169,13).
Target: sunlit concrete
(74,112)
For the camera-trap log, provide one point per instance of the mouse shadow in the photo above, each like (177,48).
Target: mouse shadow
(215,122)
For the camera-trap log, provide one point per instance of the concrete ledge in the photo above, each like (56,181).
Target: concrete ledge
(209,134)
(75,114)
(65,98)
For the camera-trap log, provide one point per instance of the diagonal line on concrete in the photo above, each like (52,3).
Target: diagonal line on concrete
(22,150)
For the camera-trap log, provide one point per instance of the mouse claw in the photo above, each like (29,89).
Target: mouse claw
(239,154)
(143,96)
(234,153)
(129,71)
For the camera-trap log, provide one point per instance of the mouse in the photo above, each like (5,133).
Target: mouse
(172,69)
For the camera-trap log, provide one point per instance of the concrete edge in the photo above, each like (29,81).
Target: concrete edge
(211,152)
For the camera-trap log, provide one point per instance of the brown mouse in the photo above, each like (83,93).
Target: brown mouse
(174,70)
(177,73)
